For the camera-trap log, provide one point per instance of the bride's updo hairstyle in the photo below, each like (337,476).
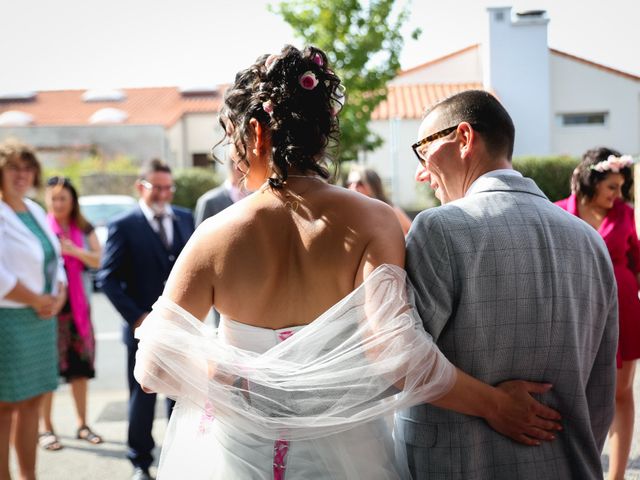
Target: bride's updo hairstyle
(296,98)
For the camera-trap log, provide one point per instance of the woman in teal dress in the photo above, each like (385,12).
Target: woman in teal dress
(32,292)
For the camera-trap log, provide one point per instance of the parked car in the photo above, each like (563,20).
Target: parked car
(100,209)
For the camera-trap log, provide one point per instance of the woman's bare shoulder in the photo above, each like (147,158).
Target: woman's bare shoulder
(378,228)
(227,225)
(368,210)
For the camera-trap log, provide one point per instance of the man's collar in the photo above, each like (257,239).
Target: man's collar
(150,214)
(493,173)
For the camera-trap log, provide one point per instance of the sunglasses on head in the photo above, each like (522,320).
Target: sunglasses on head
(56,180)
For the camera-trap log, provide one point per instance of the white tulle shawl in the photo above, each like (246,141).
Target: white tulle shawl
(337,377)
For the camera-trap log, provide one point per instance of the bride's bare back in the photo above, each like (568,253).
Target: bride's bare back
(282,257)
(293,249)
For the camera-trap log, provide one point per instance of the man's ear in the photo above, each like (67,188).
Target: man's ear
(139,187)
(467,138)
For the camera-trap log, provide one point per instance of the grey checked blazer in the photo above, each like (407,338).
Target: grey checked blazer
(211,203)
(513,287)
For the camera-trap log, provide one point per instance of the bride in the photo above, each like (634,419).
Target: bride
(319,342)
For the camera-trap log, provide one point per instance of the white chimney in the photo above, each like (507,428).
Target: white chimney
(516,70)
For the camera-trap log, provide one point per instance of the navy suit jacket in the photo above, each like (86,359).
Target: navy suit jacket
(135,264)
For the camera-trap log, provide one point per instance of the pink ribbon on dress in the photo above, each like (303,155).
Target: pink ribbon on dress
(284,335)
(74,269)
(206,418)
(280,450)
(281,447)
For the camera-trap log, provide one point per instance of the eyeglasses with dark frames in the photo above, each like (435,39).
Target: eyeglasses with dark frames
(429,139)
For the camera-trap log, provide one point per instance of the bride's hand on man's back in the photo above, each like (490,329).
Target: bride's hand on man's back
(521,417)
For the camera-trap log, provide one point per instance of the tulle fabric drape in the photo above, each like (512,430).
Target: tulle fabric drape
(328,393)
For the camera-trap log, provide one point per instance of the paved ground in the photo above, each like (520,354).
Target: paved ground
(108,411)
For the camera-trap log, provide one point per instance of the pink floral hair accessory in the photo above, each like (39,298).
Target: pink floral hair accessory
(308,80)
(271,59)
(268,107)
(317,59)
(613,164)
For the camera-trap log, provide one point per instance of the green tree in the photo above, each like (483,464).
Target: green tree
(363,41)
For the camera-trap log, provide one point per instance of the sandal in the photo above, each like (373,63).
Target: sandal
(49,441)
(85,433)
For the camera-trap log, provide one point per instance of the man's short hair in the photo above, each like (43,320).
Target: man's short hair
(485,114)
(152,166)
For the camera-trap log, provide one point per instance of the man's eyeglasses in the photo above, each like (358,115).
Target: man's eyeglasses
(421,145)
(158,188)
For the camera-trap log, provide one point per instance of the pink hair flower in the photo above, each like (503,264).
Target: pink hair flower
(317,59)
(271,59)
(308,80)
(613,164)
(268,107)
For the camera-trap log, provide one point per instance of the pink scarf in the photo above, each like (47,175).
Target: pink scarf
(74,268)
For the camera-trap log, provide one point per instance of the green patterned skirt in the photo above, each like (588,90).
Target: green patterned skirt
(28,354)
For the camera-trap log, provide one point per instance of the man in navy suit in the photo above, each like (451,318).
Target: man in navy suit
(141,248)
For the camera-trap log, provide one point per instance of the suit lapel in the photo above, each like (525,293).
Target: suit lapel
(179,234)
(154,239)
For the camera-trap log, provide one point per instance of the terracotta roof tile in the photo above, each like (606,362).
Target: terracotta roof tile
(145,106)
(411,101)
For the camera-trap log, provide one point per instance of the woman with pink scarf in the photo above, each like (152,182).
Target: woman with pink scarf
(76,343)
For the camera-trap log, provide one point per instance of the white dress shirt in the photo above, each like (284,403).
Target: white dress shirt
(167,220)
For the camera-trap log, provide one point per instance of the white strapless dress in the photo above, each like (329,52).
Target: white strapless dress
(309,402)
(370,446)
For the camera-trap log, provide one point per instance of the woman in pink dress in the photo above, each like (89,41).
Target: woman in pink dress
(601,187)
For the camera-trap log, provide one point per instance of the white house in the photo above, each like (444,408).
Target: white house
(560,103)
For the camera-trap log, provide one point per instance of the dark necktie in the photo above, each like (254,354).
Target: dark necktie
(161,231)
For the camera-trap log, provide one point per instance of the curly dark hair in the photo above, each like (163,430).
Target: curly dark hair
(585,178)
(301,122)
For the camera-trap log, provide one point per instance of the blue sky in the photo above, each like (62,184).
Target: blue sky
(127,43)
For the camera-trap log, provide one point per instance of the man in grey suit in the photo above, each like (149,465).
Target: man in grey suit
(510,287)
(217,199)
